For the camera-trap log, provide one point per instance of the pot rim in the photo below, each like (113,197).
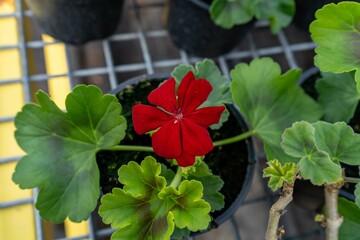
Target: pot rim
(307,73)
(200,4)
(252,160)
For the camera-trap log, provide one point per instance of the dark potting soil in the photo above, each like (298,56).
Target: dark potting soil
(229,162)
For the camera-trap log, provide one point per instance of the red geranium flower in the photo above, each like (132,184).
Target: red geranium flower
(182,133)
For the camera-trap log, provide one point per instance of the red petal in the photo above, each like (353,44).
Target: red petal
(147,118)
(195,139)
(206,116)
(164,96)
(185,160)
(184,87)
(166,142)
(196,95)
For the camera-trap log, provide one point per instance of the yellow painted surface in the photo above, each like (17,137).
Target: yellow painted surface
(55,60)
(76,229)
(15,222)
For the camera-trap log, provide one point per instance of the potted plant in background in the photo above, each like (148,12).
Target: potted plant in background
(77,21)
(207,28)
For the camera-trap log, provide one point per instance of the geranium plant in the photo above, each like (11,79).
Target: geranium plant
(323,148)
(157,199)
(227,13)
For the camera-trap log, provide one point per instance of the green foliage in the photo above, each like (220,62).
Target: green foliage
(357,194)
(314,164)
(336,32)
(228,13)
(279,174)
(320,147)
(212,184)
(339,141)
(271,102)
(349,229)
(146,208)
(278,12)
(338,96)
(208,70)
(61,150)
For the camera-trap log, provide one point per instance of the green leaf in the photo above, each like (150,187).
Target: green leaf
(357,194)
(318,167)
(135,210)
(148,209)
(338,96)
(279,13)
(314,164)
(212,185)
(227,13)
(299,140)
(190,210)
(337,33)
(339,141)
(180,233)
(208,70)
(61,150)
(271,102)
(349,229)
(349,210)
(279,174)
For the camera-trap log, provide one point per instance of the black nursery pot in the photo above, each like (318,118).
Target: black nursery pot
(191,29)
(234,163)
(77,21)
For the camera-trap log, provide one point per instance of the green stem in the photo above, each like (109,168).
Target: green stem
(234,139)
(352,179)
(177,179)
(131,148)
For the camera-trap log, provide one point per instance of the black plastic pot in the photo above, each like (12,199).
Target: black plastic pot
(191,29)
(236,170)
(77,21)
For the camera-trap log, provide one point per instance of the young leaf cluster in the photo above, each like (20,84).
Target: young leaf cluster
(280,174)
(147,208)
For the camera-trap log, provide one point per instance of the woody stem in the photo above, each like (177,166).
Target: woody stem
(277,210)
(333,219)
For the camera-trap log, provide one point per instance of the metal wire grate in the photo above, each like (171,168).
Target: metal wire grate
(291,48)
